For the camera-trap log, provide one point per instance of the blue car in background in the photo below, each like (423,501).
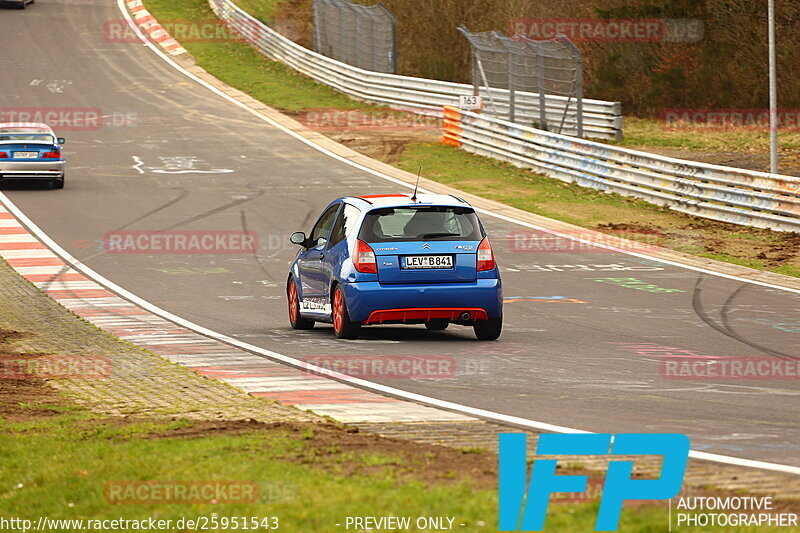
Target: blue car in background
(396,259)
(31,151)
(21,4)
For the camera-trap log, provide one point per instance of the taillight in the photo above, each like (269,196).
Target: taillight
(51,155)
(485,255)
(3,155)
(364,260)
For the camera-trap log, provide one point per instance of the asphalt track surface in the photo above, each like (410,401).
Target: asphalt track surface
(577,350)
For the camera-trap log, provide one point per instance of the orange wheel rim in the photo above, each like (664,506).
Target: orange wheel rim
(293,306)
(338,311)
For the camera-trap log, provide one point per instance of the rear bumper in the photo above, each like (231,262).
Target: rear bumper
(372,302)
(32,169)
(420,315)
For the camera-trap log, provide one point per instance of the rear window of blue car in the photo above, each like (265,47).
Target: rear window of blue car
(32,137)
(424,223)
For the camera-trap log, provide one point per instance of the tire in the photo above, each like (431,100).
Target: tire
(437,324)
(488,330)
(295,319)
(58,183)
(343,327)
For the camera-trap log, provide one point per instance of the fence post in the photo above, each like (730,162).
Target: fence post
(356,36)
(578,80)
(340,55)
(393,52)
(542,91)
(512,95)
(579,96)
(476,87)
(316,21)
(488,88)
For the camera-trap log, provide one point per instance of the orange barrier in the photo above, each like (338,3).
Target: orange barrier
(451,126)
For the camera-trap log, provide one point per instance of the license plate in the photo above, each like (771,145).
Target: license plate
(414,262)
(26,155)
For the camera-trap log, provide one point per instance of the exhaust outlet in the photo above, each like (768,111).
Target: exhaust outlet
(465,316)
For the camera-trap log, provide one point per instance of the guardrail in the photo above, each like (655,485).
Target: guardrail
(720,193)
(601,119)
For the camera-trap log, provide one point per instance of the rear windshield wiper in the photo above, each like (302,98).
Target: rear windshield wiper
(432,235)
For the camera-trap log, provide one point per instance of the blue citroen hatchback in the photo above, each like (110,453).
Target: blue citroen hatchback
(395,259)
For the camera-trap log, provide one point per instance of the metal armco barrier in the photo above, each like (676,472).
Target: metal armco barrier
(601,119)
(726,194)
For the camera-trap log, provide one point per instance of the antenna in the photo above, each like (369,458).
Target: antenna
(414,197)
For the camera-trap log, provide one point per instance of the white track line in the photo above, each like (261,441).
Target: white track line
(451,406)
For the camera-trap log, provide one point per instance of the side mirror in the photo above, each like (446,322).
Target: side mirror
(298,237)
(61,140)
(322,241)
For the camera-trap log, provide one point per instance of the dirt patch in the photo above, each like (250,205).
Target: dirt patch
(9,335)
(211,428)
(27,399)
(769,248)
(346,451)
(382,135)
(23,399)
(386,146)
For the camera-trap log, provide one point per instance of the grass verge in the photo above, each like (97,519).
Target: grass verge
(278,86)
(654,133)
(63,462)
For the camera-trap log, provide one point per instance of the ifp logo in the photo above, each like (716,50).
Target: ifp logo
(523,507)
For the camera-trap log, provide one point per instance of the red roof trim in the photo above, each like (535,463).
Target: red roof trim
(368,196)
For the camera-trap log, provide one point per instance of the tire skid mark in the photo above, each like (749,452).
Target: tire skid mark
(725,329)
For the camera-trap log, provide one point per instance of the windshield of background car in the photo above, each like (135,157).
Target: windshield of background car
(35,137)
(429,223)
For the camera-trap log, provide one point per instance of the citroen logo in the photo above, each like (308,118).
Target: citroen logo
(426,246)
